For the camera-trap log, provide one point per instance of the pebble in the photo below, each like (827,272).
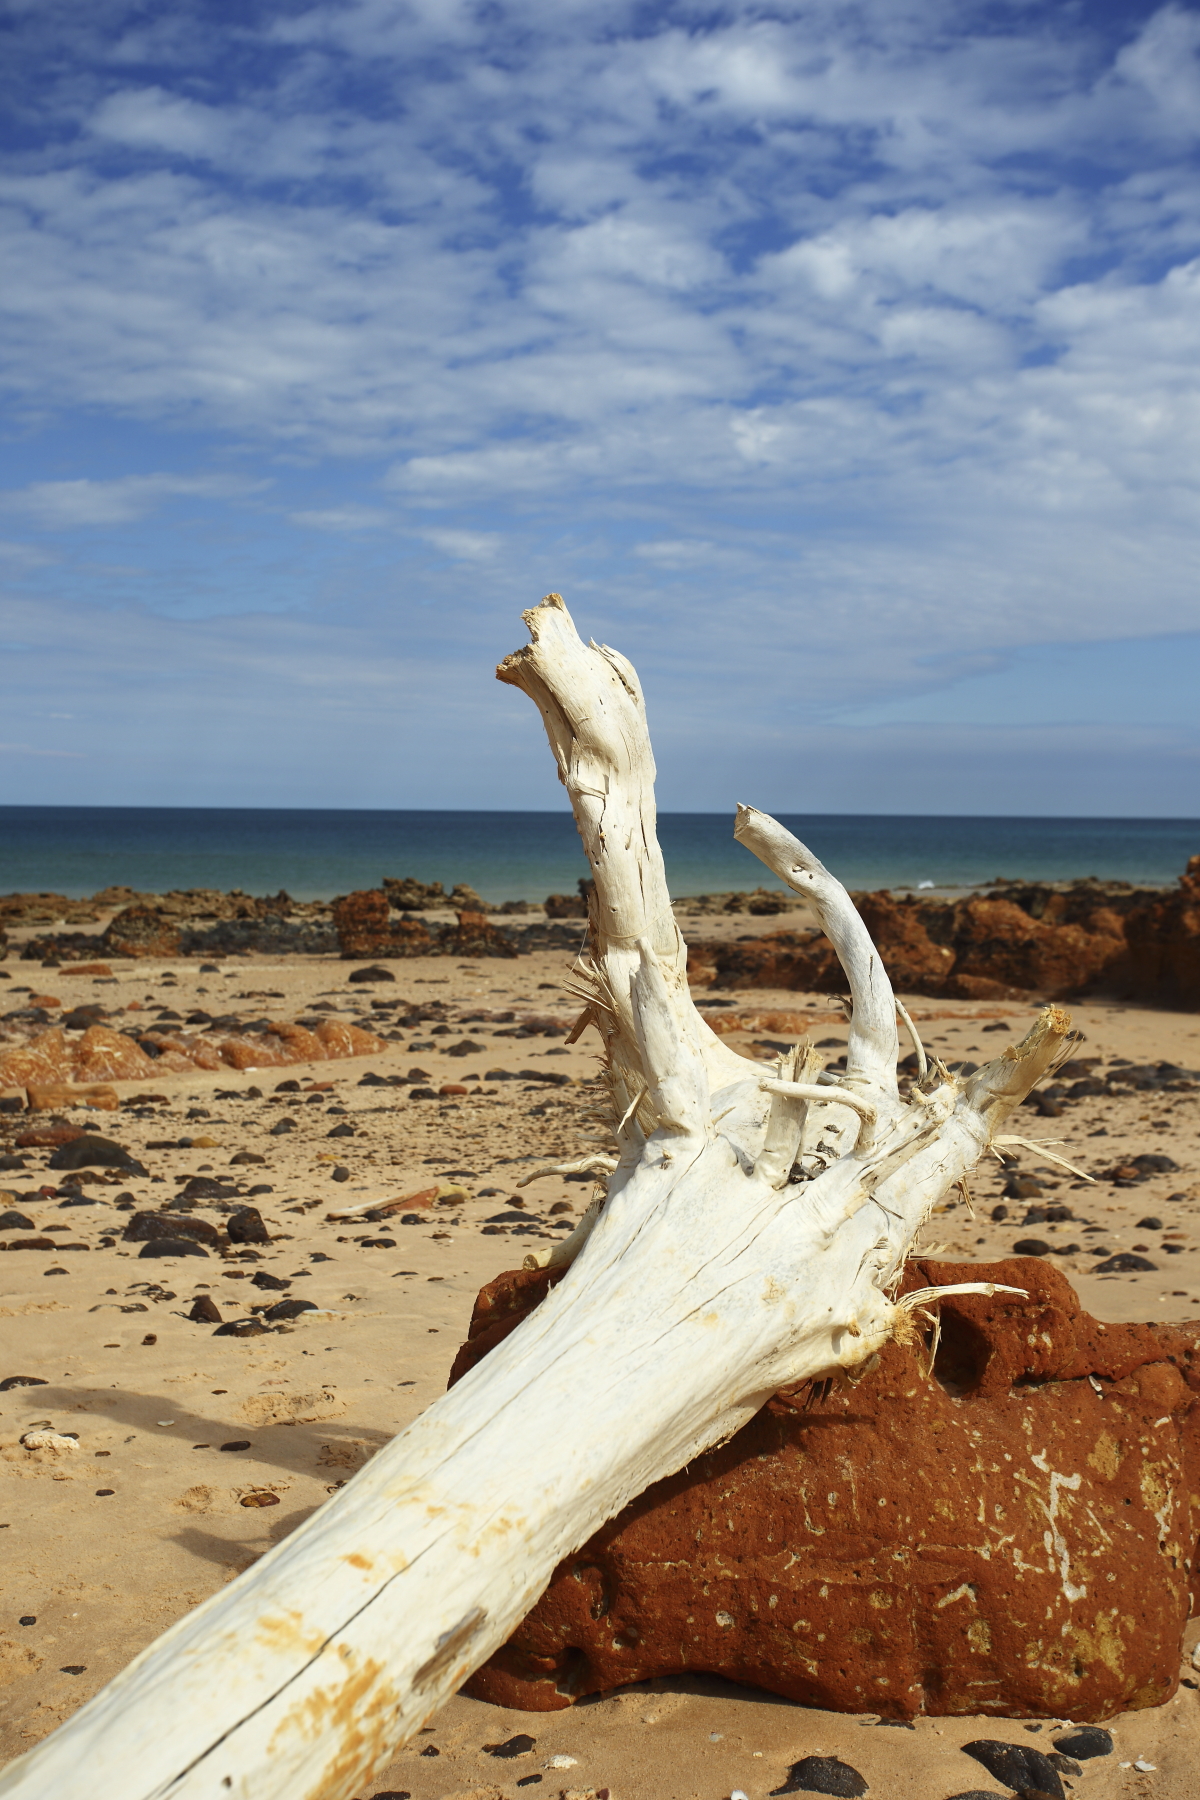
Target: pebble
(242,1328)
(520,1745)
(205,1311)
(237,1444)
(20,1381)
(1124,1263)
(245,1226)
(261,1279)
(263,1499)
(168,1246)
(1017,1765)
(823,1775)
(245,1157)
(1083,1741)
(290,1309)
(15,1221)
(1031,1247)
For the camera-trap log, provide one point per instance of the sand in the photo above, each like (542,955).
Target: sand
(154,1397)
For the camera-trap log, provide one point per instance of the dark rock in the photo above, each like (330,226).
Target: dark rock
(33,1243)
(822,1775)
(1046,1215)
(1125,1263)
(980,1793)
(375,973)
(10,1163)
(1066,1765)
(520,1745)
(1016,1765)
(245,1158)
(245,1226)
(1032,1247)
(379,1243)
(1084,1741)
(282,1128)
(261,1187)
(340,1174)
(172,1246)
(20,1381)
(1149,1224)
(277,1283)
(237,1444)
(289,1309)
(1022,1187)
(203,1187)
(1000,1213)
(145,1227)
(15,1221)
(1155,1165)
(242,1328)
(342,1131)
(205,1311)
(89,1152)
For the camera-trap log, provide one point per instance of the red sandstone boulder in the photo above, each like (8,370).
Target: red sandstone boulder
(1013,1534)
(141,931)
(361,923)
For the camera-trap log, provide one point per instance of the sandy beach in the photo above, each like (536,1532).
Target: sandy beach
(197,1452)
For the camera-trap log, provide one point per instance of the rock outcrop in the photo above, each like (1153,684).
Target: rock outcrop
(1013,1534)
(365,928)
(1020,940)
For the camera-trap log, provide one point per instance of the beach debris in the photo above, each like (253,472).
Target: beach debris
(45,1438)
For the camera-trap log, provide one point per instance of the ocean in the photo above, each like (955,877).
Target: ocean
(76,850)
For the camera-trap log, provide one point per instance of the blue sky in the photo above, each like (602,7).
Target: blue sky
(840,363)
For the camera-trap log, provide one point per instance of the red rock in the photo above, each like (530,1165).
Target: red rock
(94,969)
(1001,1538)
(45,1061)
(142,931)
(103,1054)
(361,923)
(46,1001)
(55,1097)
(565,906)
(49,1137)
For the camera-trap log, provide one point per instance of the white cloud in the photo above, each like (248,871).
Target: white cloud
(63,505)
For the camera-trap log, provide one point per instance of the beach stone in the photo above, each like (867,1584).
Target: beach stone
(290,1309)
(20,1381)
(245,1226)
(278,1283)
(1084,1741)
(204,1187)
(170,1246)
(145,1227)
(1017,1765)
(1125,1262)
(889,1595)
(88,1152)
(822,1775)
(241,1328)
(140,931)
(376,972)
(1032,1247)
(205,1311)
(15,1221)
(245,1158)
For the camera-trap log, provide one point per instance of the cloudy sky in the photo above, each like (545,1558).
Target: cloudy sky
(839,363)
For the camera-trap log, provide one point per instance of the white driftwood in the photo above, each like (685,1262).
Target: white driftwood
(753,1227)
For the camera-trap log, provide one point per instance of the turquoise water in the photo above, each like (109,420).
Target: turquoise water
(75,850)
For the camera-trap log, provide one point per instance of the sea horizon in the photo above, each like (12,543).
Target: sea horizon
(317,853)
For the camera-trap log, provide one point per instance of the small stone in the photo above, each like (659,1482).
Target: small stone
(237,1444)
(1016,1765)
(89,1152)
(340,1174)
(282,1128)
(242,1328)
(1084,1741)
(151,1337)
(1124,1263)
(278,1283)
(244,1158)
(1022,1187)
(1149,1224)
(822,1775)
(341,1131)
(520,1745)
(379,1243)
(27,1619)
(20,1381)
(376,972)
(15,1221)
(289,1309)
(263,1499)
(205,1311)
(1032,1247)
(172,1246)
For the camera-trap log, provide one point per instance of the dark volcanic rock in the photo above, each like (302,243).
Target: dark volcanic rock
(205,1311)
(245,1226)
(1085,1741)
(172,1246)
(822,1775)
(987,1541)
(89,1152)
(146,1227)
(1017,1765)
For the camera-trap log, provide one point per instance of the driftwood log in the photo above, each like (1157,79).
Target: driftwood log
(754,1232)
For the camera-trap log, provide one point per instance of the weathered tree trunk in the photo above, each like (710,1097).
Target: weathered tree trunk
(754,1223)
